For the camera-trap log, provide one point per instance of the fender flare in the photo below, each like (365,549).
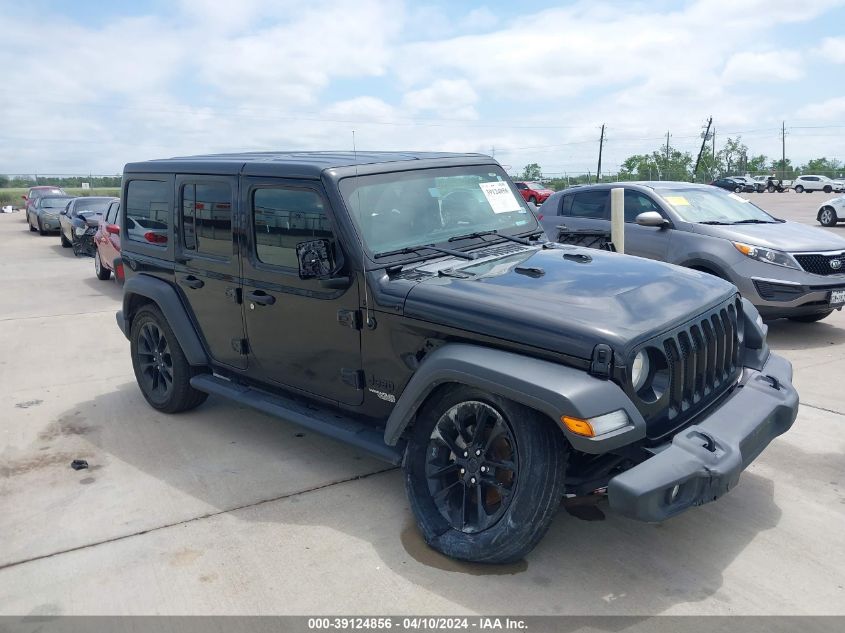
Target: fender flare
(542,385)
(165,297)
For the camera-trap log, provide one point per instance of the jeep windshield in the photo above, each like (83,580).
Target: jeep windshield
(714,206)
(399,212)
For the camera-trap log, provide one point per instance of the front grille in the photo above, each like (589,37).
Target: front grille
(703,359)
(819,264)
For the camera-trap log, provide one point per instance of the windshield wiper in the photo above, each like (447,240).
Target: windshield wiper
(754,221)
(410,250)
(518,240)
(715,222)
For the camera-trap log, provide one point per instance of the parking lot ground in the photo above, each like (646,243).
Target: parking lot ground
(227,511)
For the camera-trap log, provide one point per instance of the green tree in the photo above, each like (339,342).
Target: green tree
(532,171)
(757,164)
(657,166)
(824,166)
(732,154)
(783,169)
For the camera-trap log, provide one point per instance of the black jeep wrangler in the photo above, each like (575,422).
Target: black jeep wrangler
(409,305)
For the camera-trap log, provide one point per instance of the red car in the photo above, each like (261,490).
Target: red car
(533,192)
(34,193)
(107,241)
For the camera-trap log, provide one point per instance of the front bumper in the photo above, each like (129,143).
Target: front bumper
(705,460)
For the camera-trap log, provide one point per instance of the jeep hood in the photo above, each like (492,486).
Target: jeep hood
(782,236)
(566,299)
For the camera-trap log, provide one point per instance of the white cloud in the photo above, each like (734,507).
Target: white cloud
(449,98)
(833,49)
(829,110)
(748,66)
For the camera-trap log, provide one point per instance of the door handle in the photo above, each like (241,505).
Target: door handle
(192,282)
(262,298)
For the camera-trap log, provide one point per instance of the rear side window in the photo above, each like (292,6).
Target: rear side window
(112,215)
(591,204)
(207,218)
(283,217)
(148,209)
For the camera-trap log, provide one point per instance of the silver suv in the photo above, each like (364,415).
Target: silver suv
(784,268)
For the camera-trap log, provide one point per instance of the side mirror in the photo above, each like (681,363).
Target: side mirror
(315,259)
(63,212)
(652,218)
(24,197)
(114,229)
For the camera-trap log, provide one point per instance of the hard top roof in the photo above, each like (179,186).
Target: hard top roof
(291,164)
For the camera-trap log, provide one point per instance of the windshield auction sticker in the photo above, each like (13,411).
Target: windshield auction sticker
(500,197)
(678,201)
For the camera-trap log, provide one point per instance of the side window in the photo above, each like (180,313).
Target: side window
(147,206)
(283,217)
(111,214)
(636,203)
(566,205)
(521,186)
(207,218)
(591,204)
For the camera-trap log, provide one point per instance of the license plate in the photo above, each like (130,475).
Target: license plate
(837,297)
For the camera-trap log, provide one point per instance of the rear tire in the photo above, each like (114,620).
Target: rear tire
(737,189)
(828,217)
(160,366)
(811,318)
(495,515)
(103,273)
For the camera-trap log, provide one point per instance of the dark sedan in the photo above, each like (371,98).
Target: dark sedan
(44,214)
(79,222)
(731,184)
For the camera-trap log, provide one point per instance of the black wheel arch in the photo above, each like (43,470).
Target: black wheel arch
(708,267)
(143,289)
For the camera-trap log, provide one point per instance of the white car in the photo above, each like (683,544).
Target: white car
(832,211)
(815,183)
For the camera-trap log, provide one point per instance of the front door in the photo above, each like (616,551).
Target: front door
(298,337)
(644,241)
(208,263)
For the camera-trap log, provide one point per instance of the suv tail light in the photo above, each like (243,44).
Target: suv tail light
(155,238)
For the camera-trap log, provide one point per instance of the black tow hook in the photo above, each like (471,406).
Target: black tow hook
(709,442)
(773,382)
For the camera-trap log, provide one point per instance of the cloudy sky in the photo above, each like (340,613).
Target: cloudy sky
(88,86)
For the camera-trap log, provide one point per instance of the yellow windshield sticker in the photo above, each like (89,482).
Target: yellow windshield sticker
(678,201)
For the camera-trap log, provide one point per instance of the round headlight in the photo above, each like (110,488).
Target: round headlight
(639,370)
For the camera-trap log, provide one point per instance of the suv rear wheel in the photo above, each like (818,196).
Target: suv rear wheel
(161,369)
(484,475)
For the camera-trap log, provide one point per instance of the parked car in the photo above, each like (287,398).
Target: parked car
(408,305)
(815,183)
(44,216)
(772,183)
(752,186)
(107,241)
(533,192)
(78,223)
(831,212)
(732,184)
(152,231)
(785,269)
(33,193)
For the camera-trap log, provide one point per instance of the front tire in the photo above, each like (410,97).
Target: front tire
(811,318)
(41,230)
(827,217)
(160,366)
(799,189)
(65,242)
(770,188)
(103,273)
(532,200)
(484,475)
(828,189)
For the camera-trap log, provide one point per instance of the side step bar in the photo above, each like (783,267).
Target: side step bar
(317,419)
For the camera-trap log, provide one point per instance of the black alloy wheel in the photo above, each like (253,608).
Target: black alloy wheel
(155,362)
(484,475)
(472,466)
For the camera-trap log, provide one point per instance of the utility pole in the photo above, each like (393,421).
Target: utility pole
(601,145)
(714,146)
(667,146)
(783,151)
(701,151)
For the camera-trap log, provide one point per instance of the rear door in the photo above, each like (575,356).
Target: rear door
(299,335)
(208,263)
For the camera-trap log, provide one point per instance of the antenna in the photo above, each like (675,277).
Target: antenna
(371,322)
